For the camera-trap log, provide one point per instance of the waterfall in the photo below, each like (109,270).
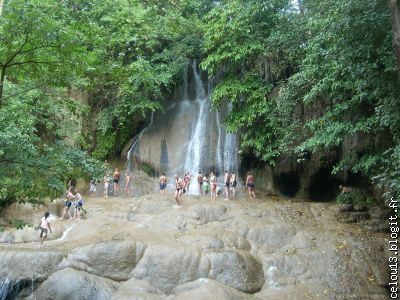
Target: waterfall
(188,136)
(219,164)
(230,150)
(194,150)
(134,145)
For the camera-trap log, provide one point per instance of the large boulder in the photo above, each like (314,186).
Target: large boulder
(206,213)
(238,269)
(207,289)
(137,289)
(20,269)
(111,259)
(272,235)
(167,265)
(71,284)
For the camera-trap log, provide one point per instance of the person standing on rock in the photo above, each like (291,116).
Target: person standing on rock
(178,189)
(213,183)
(206,185)
(92,187)
(44,226)
(127,184)
(78,205)
(107,183)
(250,185)
(233,184)
(67,204)
(186,179)
(163,183)
(227,182)
(116,177)
(200,183)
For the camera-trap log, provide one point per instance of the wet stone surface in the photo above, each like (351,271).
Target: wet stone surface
(145,248)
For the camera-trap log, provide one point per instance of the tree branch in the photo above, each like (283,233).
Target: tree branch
(18,51)
(33,62)
(38,47)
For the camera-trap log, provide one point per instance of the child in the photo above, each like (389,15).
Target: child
(92,188)
(44,225)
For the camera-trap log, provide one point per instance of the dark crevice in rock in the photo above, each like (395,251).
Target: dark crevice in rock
(287,183)
(323,186)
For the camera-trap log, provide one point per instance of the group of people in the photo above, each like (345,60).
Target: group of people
(73,199)
(111,184)
(207,184)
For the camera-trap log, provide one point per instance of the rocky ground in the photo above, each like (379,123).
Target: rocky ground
(144,248)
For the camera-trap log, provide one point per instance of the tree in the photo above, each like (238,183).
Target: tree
(36,41)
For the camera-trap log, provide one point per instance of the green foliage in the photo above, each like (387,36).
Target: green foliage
(37,155)
(105,145)
(147,169)
(20,224)
(236,44)
(308,81)
(354,198)
(38,43)
(138,50)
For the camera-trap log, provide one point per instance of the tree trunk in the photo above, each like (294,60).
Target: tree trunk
(2,78)
(300,6)
(1,6)
(395,18)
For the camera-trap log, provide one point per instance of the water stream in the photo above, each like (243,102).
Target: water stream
(189,136)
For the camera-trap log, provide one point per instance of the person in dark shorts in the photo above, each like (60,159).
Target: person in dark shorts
(44,226)
(116,177)
(68,204)
(163,183)
(250,185)
(78,205)
(233,184)
(227,183)
(179,186)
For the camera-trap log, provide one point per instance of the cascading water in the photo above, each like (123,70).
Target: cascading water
(230,150)
(135,143)
(188,137)
(194,150)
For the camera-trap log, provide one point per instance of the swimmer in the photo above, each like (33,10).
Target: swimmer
(250,185)
(116,177)
(127,184)
(233,184)
(213,183)
(163,183)
(67,204)
(78,205)
(179,184)
(227,182)
(200,183)
(206,185)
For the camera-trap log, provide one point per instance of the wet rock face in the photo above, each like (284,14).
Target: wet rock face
(239,270)
(112,259)
(372,218)
(22,269)
(143,248)
(72,284)
(167,265)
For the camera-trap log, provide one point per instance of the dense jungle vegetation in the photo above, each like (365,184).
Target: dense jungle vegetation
(78,76)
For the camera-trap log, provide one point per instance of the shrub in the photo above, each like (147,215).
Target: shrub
(354,198)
